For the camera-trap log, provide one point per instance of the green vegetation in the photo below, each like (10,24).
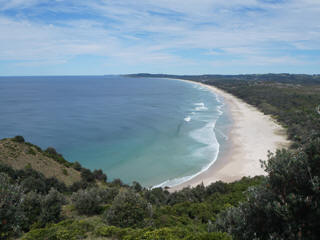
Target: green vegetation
(285,206)
(128,209)
(52,153)
(292,105)
(282,205)
(50,210)
(18,139)
(88,201)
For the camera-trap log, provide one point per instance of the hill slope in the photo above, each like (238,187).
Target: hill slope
(20,155)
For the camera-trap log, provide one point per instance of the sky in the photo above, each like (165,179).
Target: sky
(96,37)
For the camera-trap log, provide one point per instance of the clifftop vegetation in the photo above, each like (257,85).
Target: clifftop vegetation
(21,155)
(282,205)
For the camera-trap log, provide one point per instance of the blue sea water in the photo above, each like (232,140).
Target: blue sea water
(154,131)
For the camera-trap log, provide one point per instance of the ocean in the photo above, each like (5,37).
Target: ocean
(159,132)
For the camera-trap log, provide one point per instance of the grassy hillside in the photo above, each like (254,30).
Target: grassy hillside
(36,204)
(21,155)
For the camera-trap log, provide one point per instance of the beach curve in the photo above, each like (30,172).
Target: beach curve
(251,136)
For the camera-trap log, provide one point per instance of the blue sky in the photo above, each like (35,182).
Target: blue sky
(94,37)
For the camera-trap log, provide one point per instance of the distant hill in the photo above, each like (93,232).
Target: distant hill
(270,77)
(20,155)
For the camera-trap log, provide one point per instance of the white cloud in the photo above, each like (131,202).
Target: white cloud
(12,4)
(155,31)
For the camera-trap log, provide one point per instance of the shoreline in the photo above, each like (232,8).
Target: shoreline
(251,135)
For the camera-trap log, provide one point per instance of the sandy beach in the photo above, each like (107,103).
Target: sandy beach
(251,136)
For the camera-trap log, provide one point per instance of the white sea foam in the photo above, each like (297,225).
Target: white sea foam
(187,119)
(207,136)
(200,106)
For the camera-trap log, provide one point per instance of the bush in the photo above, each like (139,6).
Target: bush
(99,175)
(51,150)
(79,185)
(52,153)
(11,214)
(53,182)
(286,205)
(113,232)
(117,182)
(128,209)
(87,201)
(87,175)
(108,195)
(31,206)
(65,230)
(136,186)
(18,139)
(157,196)
(218,186)
(33,184)
(77,166)
(31,151)
(65,172)
(51,207)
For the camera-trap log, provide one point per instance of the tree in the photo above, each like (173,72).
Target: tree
(87,175)
(136,186)
(18,139)
(31,206)
(99,175)
(286,205)
(51,151)
(51,207)
(11,214)
(128,209)
(33,184)
(77,166)
(87,201)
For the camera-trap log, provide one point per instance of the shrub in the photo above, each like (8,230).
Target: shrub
(157,196)
(185,195)
(65,172)
(117,182)
(51,150)
(87,175)
(51,207)
(65,230)
(77,166)
(33,184)
(79,185)
(218,186)
(52,153)
(31,206)
(286,205)
(31,151)
(18,139)
(108,195)
(99,175)
(174,233)
(128,209)
(53,182)
(112,231)
(87,201)
(11,214)
(136,186)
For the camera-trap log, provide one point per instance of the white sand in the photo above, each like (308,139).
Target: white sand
(251,136)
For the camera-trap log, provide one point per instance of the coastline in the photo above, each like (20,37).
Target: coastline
(251,135)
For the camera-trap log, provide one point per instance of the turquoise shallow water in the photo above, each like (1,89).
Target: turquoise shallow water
(155,131)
